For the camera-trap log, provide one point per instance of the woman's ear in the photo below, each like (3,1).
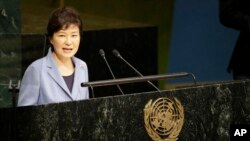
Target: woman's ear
(50,41)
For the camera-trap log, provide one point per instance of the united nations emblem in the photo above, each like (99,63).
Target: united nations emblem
(163,119)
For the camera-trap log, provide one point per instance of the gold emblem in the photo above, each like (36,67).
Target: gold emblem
(163,119)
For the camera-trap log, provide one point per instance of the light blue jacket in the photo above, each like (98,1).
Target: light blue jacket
(43,84)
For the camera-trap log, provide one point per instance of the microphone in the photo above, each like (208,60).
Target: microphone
(118,55)
(102,53)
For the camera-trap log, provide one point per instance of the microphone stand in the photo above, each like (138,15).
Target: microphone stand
(92,90)
(102,53)
(118,55)
(14,89)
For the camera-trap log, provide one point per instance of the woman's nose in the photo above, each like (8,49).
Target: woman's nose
(68,41)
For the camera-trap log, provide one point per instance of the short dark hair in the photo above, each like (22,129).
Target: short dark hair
(61,17)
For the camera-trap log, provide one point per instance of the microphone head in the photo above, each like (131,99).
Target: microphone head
(102,53)
(116,53)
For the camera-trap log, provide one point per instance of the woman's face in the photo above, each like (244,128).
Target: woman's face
(66,41)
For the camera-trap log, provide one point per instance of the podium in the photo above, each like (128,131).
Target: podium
(208,109)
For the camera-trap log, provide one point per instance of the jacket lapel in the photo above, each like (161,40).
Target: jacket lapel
(79,77)
(54,73)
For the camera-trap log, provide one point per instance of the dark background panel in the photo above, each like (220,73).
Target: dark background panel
(33,47)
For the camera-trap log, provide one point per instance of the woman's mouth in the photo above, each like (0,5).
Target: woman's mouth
(67,50)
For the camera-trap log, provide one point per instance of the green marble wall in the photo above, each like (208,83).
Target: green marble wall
(10,16)
(10,48)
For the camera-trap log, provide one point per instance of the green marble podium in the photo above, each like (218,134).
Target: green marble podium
(209,110)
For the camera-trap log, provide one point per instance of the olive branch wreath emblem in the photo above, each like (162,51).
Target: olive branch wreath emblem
(164,119)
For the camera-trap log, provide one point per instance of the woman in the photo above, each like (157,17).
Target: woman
(57,77)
